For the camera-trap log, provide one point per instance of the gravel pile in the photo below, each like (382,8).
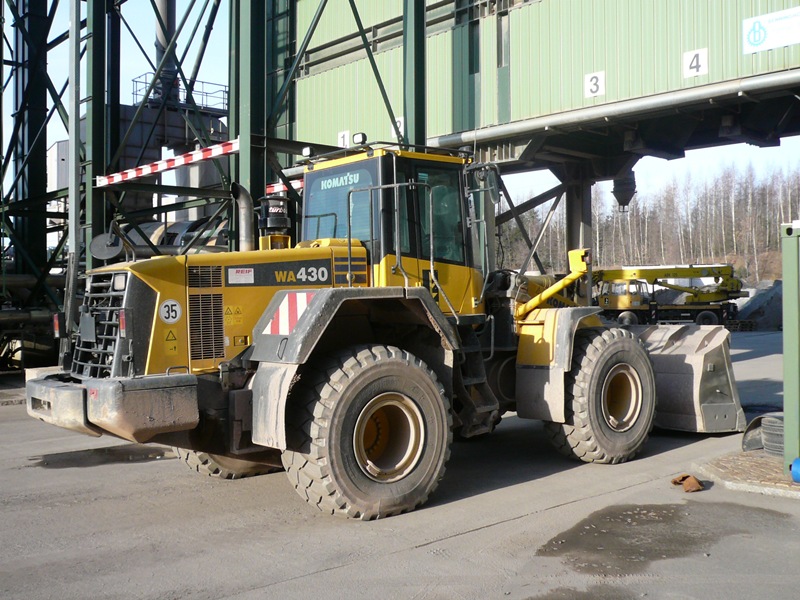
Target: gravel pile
(764,306)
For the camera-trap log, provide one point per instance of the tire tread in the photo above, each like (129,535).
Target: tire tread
(575,438)
(308,468)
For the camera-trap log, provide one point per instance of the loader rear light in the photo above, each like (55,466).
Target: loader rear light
(123,323)
(59,326)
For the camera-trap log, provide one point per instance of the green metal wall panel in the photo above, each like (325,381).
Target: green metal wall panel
(352,101)
(347,98)
(488,67)
(337,20)
(639,45)
(438,55)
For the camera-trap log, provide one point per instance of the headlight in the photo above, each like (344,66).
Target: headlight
(118,284)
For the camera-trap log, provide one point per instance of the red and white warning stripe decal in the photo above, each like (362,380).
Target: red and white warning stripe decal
(231,147)
(291,308)
(277,188)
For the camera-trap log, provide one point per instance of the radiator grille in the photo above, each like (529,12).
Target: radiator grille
(95,358)
(206,326)
(205,276)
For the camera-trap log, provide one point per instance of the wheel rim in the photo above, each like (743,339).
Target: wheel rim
(389,437)
(622,397)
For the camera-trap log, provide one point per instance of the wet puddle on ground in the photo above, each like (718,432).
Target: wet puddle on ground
(595,592)
(101,456)
(625,539)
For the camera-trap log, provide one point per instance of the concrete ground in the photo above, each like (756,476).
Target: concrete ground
(99,518)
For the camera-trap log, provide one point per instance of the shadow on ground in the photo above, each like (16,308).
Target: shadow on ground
(93,457)
(519,451)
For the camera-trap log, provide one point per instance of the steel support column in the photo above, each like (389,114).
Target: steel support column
(414,71)
(2,82)
(578,211)
(281,23)
(248,102)
(30,106)
(579,182)
(165,10)
(74,229)
(96,158)
(113,68)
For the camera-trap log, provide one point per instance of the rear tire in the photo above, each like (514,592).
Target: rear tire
(224,467)
(707,317)
(611,398)
(369,433)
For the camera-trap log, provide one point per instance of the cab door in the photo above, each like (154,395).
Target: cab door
(442,233)
(397,264)
(423,214)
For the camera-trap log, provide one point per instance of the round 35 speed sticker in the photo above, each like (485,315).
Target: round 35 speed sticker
(170,311)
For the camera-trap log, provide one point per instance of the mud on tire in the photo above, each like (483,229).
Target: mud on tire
(369,433)
(610,398)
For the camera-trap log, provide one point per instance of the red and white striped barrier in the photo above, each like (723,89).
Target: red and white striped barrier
(223,149)
(277,188)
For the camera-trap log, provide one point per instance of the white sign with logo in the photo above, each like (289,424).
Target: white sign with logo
(770,31)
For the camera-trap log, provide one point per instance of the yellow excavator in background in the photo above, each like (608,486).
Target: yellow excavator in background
(629,296)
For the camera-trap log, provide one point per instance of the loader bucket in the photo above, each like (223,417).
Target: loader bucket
(695,386)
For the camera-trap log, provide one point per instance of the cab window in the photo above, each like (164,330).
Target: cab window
(441,218)
(326,202)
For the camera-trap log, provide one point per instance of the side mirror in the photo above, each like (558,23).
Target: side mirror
(493,185)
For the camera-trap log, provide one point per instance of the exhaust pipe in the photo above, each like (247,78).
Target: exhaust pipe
(246,216)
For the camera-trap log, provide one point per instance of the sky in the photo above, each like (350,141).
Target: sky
(141,20)
(655,174)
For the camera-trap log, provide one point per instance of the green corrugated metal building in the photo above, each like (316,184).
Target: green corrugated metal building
(491,63)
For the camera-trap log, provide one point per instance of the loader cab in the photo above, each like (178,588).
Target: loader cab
(411,212)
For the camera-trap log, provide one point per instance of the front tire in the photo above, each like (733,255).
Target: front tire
(369,433)
(611,398)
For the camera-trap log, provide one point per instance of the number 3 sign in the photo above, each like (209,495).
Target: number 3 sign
(594,84)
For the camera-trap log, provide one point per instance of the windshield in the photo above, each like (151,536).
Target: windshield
(326,197)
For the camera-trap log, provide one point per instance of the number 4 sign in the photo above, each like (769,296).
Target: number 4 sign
(695,63)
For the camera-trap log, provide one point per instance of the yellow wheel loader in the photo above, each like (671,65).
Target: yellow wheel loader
(353,355)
